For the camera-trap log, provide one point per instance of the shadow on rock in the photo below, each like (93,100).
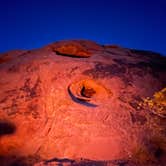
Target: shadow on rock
(19,160)
(6,128)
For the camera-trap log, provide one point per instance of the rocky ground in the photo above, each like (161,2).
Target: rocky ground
(80,103)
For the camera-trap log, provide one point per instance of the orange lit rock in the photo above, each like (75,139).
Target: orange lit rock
(72,49)
(112,46)
(80,111)
(90,91)
(75,48)
(5,58)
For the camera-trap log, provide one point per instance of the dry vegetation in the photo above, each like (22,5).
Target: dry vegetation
(157,104)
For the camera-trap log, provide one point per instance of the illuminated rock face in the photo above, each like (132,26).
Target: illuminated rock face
(54,106)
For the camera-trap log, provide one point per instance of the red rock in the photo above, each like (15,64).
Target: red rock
(46,114)
(111,46)
(73,48)
(89,90)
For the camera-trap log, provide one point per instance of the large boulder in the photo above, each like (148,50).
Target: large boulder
(79,111)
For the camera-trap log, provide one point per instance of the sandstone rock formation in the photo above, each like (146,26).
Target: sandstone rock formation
(72,110)
(74,48)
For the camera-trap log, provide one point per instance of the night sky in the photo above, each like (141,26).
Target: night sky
(27,24)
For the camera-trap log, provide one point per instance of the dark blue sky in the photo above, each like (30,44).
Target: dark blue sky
(27,24)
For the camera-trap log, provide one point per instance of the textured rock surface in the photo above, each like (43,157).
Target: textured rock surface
(73,48)
(48,110)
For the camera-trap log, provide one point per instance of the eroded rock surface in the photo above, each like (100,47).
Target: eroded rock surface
(61,107)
